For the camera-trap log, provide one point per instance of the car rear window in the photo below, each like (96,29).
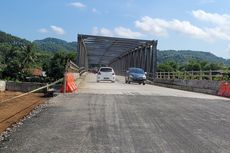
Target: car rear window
(140,71)
(106,70)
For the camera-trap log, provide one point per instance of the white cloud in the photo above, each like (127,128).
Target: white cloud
(218,30)
(125,32)
(95,10)
(118,31)
(221,23)
(106,32)
(77,5)
(186,27)
(160,27)
(95,31)
(43,30)
(57,30)
(214,18)
(102,31)
(218,33)
(153,26)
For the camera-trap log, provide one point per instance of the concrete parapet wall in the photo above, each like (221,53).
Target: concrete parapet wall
(76,75)
(2,85)
(202,86)
(23,86)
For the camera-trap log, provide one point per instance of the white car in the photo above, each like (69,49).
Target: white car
(106,74)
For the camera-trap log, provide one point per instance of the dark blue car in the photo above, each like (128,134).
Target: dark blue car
(135,75)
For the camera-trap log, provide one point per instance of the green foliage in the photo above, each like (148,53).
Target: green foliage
(183,56)
(191,65)
(55,45)
(17,61)
(168,66)
(12,40)
(19,56)
(55,68)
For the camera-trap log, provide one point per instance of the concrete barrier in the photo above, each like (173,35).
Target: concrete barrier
(202,86)
(2,85)
(23,86)
(224,89)
(76,75)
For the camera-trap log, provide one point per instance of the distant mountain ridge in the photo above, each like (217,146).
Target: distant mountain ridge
(182,56)
(55,45)
(9,39)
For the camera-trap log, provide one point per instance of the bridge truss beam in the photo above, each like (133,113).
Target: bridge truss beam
(143,56)
(119,53)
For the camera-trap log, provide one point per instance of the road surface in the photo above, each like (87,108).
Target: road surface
(126,118)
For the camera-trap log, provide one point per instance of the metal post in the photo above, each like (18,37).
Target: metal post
(139,57)
(148,60)
(78,51)
(210,75)
(66,70)
(154,51)
(192,75)
(64,83)
(201,75)
(145,60)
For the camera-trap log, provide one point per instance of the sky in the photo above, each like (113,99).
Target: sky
(201,25)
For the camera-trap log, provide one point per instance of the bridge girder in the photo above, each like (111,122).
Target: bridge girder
(119,53)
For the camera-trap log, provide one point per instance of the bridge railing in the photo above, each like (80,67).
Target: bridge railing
(194,75)
(72,67)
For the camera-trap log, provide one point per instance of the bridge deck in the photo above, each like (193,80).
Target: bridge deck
(119,87)
(117,117)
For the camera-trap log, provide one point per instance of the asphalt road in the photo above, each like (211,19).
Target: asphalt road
(122,118)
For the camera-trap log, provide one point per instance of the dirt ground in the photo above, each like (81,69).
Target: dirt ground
(12,111)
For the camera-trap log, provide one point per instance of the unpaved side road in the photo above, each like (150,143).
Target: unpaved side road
(12,111)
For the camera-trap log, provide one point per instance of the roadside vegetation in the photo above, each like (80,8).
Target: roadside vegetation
(196,66)
(191,65)
(19,57)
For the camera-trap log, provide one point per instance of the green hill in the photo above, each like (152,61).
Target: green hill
(52,45)
(6,38)
(55,45)
(182,56)
(7,43)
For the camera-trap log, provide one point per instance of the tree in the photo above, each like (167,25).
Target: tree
(29,56)
(56,67)
(214,66)
(12,64)
(168,66)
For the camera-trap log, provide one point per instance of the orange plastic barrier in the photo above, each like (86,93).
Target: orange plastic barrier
(70,83)
(224,89)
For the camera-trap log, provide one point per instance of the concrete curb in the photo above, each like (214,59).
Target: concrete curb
(200,86)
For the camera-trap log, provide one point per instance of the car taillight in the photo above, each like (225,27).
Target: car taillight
(99,73)
(113,74)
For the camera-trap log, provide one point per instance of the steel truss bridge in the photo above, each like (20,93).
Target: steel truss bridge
(119,53)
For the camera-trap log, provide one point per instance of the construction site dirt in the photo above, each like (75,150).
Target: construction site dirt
(13,110)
